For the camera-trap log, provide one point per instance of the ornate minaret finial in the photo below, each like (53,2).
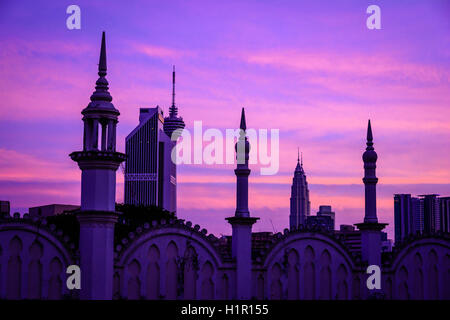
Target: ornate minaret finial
(242,223)
(101,93)
(242,171)
(98,162)
(370,180)
(173,122)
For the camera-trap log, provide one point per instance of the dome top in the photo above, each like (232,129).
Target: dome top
(370,155)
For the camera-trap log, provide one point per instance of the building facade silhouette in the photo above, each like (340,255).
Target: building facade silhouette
(423,214)
(173,259)
(150,173)
(300,206)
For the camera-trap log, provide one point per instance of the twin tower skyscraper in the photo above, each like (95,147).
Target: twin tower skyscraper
(150,173)
(300,207)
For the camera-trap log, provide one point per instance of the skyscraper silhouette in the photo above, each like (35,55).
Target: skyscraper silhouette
(300,204)
(150,173)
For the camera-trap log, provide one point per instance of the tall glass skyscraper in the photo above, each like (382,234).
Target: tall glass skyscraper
(150,174)
(300,204)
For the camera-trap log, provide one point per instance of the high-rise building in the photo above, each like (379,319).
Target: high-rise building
(324,222)
(150,173)
(325,211)
(5,207)
(150,176)
(300,204)
(429,207)
(444,213)
(417,214)
(404,219)
(422,214)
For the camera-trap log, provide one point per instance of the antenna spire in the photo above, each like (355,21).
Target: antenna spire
(173,109)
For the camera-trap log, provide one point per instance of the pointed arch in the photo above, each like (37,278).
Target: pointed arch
(153,273)
(55,282)
(309,274)
(403,290)
(293,275)
(418,276)
(134,283)
(34,283)
(14,270)
(342,287)
(433,275)
(171,271)
(190,273)
(207,284)
(325,275)
(276,286)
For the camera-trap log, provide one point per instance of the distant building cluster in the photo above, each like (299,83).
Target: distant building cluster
(427,213)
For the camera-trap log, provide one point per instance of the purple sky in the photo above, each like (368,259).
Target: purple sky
(308,68)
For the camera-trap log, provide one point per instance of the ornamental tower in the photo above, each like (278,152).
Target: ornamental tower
(300,204)
(370,228)
(241,223)
(98,163)
(173,122)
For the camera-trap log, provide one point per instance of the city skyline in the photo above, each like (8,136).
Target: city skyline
(287,80)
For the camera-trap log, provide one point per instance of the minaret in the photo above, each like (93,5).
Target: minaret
(300,204)
(98,163)
(370,228)
(173,122)
(242,223)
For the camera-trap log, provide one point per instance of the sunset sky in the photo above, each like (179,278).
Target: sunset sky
(311,69)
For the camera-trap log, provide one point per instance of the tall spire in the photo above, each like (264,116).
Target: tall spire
(370,180)
(173,109)
(300,204)
(98,162)
(299,167)
(243,125)
(369,137)
(101,96)
(241,223)
(102,60)
(173,122)
(370,228)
